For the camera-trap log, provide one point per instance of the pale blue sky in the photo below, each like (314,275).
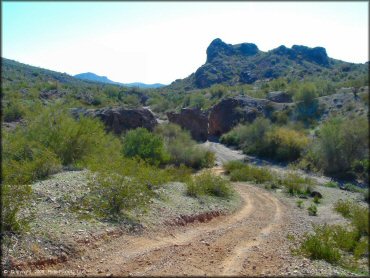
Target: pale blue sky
(163,41)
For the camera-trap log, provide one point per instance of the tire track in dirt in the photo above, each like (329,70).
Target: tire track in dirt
(218,247)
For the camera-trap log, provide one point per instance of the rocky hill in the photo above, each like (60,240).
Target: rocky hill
(245,64)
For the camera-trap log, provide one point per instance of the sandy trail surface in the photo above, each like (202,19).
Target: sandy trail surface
(227,245)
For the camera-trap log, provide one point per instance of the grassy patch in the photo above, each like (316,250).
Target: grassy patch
(297,185)
(241,172)
(207,183)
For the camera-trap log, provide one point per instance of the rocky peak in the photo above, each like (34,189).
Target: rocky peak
(217,48)
(316,54)
(247,49)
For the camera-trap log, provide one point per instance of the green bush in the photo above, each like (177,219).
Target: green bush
(251,173)
(71,140)
(339,144)
(307,107)
(249,137)
(286,144)
(297,185)
(299,203)
(13,111)
(146,145)
(316,199)
(345,239)
(335,244)
(320,246)
(182,149)
(25,161)
(331,184)
(232,166)
(206,183)
(263,139)
(360,219)
(344,208)
(15,198)
(312,210)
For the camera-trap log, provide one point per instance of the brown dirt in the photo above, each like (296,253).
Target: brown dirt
(226,245)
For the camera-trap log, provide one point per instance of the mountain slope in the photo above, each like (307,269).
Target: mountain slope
(89,76)
(245,64)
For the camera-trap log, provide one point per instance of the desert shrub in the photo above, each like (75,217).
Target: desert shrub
(233,165)
(316,199)
(13,111)
(250,137)
(146,145)
(339,144)
(263,139)
(360,219)
(121,185)
(286,144)
(319,246)
(307,107)
(344,238)
(357,214)
(335,244)
(113,194)
(182,149)
(297,185)
(206,183)
(331,184)
(361,169)
(25,161)
(15,198)
(344,208)
(299,203)
(361,248)
(312,210)
(251,173)
(180,173)
(351,187)
(281,117)
(70,139)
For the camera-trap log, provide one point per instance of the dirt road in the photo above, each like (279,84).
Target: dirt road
(227,245)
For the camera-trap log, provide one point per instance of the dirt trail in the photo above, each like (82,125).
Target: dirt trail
(227,245)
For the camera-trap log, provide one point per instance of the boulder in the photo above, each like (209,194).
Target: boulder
(279,96)
(120,119)
(194,120)
(316,194)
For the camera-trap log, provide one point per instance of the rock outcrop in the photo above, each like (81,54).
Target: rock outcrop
(120,119)
(193,120)
(245,64)
(279,96)
(229,112)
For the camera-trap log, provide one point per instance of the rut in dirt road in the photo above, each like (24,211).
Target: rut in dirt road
(224,246)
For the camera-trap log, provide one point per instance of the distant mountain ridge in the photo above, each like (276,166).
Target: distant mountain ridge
(89,76)
(245,64)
